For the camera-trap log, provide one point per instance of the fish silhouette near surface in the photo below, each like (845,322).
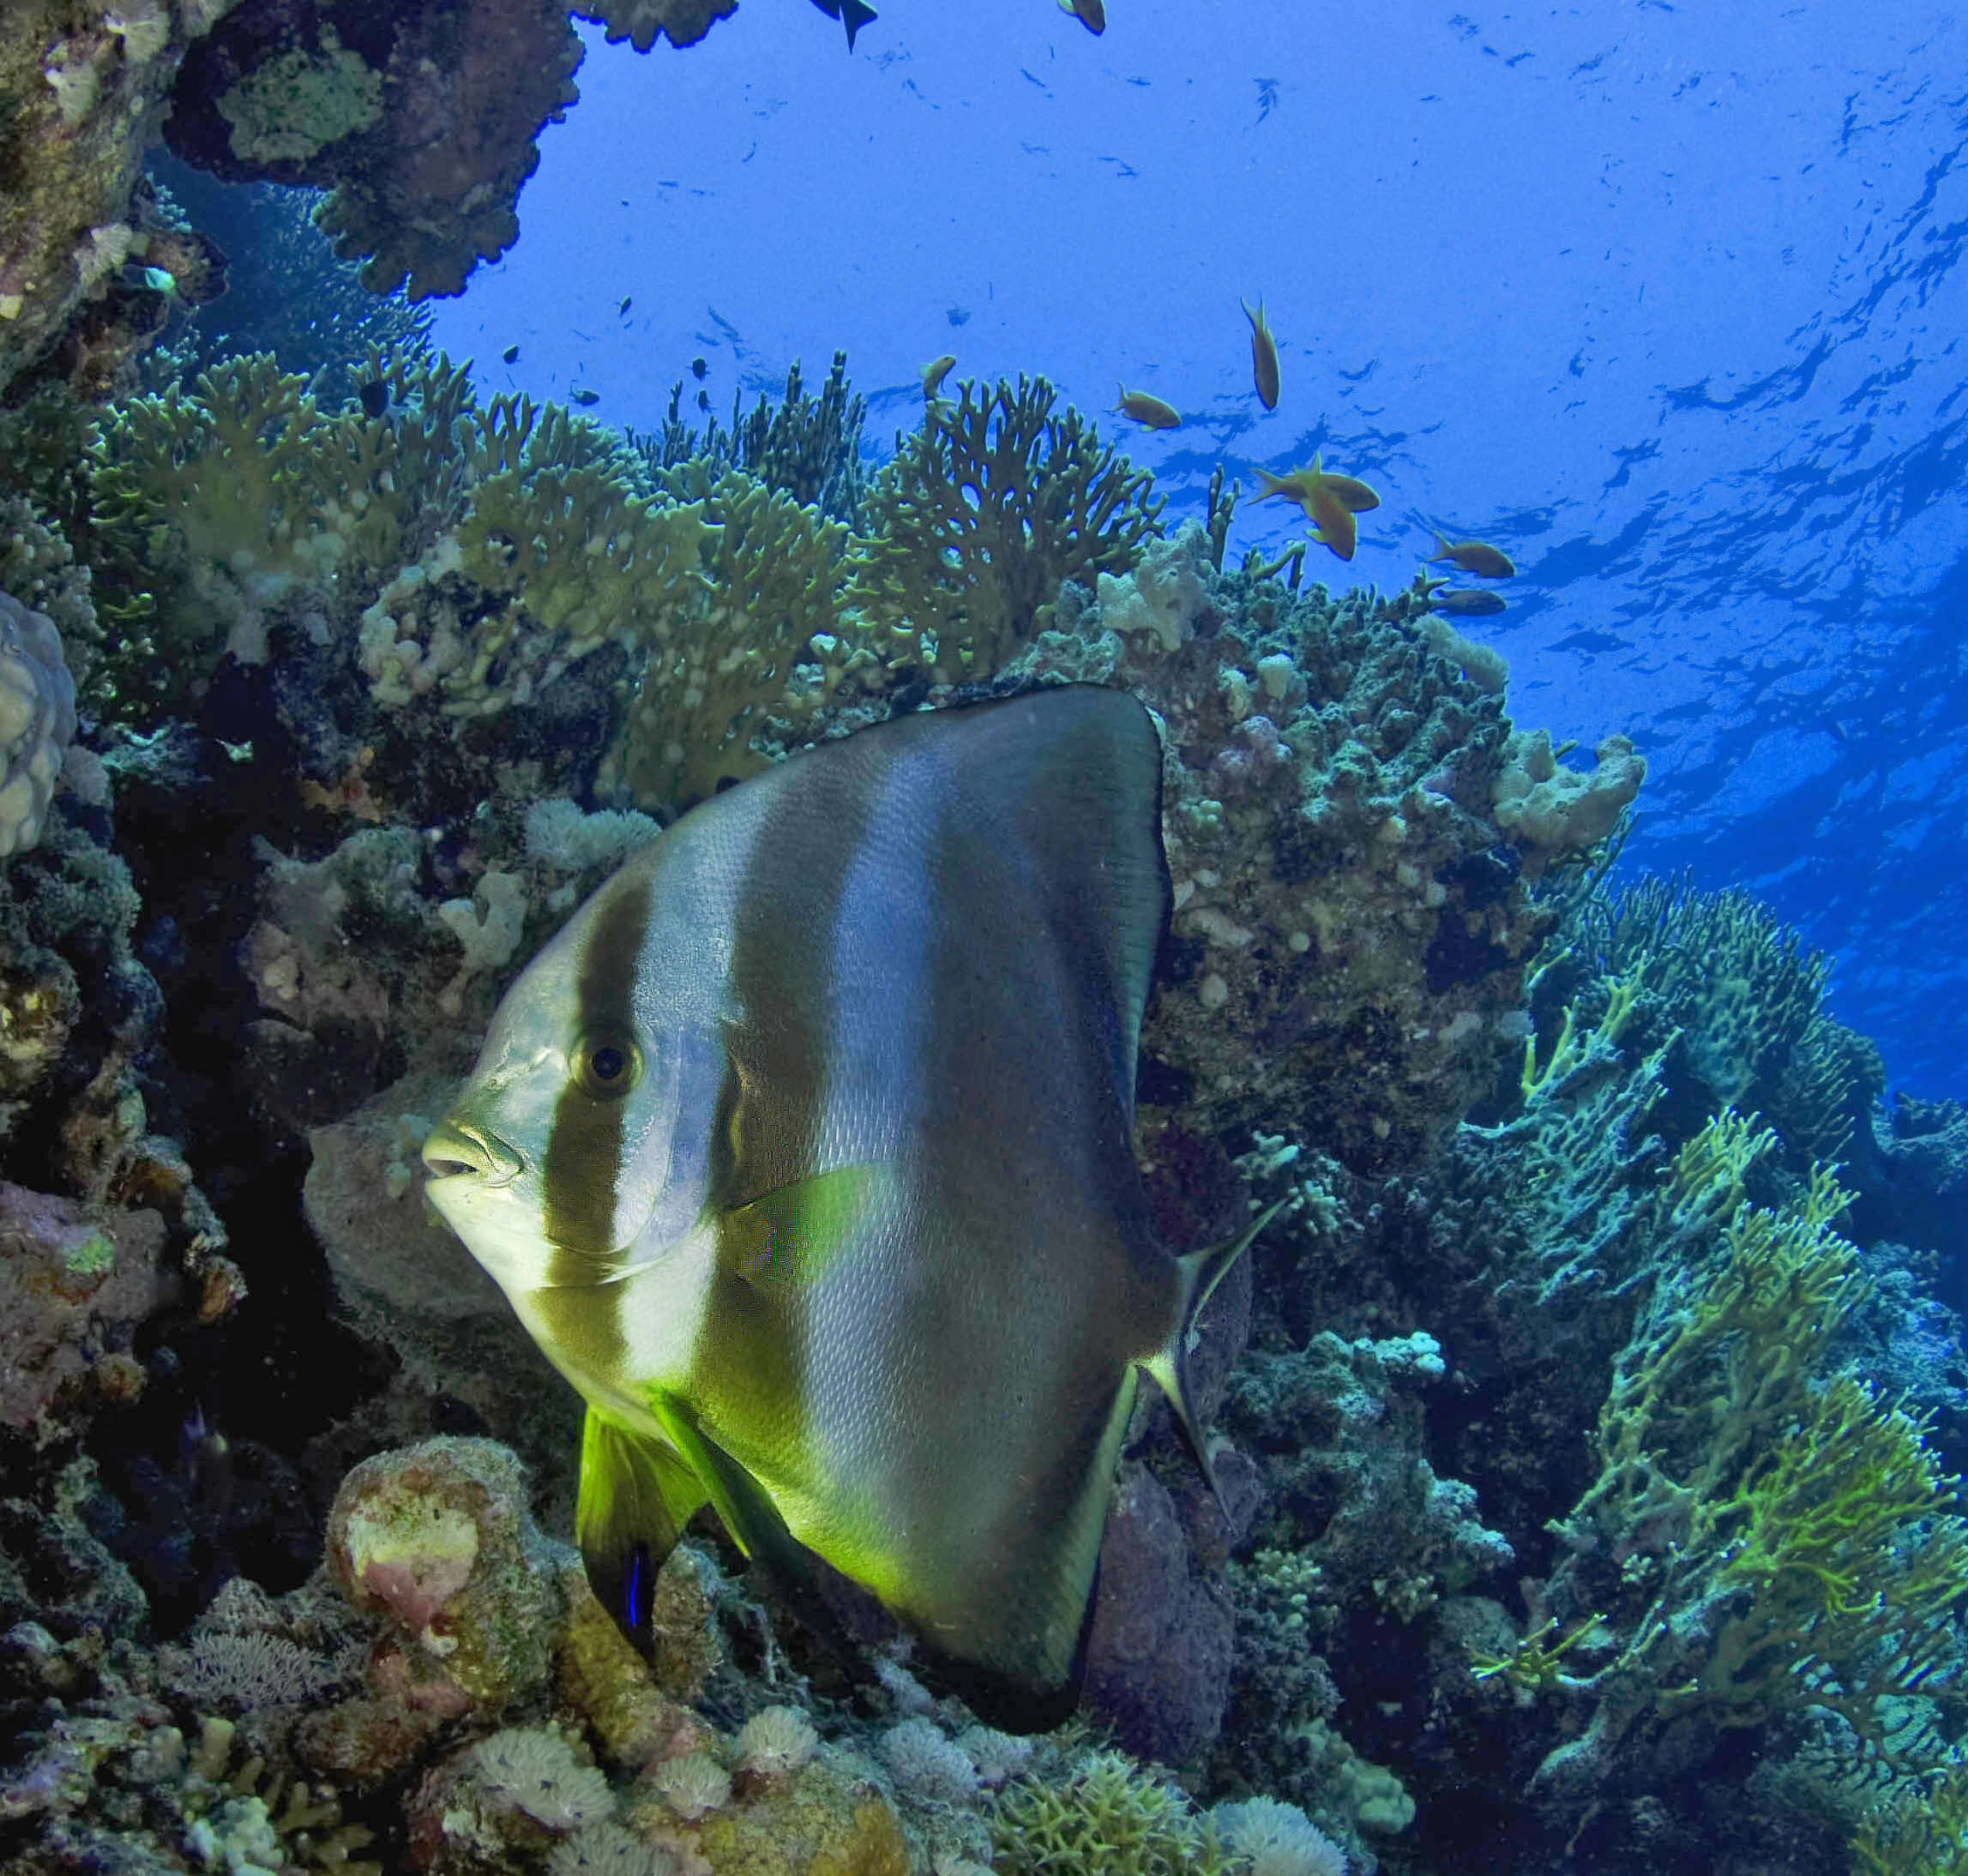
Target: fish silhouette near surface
(1148,412)
(1328,499)
(1263,356)
(852,14)
(804,1151)
(1478,558)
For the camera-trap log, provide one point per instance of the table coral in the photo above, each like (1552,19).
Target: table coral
(683,22)
(420,120)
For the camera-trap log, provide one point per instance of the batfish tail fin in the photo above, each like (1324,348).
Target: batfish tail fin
(855,16)
(1201,1271)
(634,1499)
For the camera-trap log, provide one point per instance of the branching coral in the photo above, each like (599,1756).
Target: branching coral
(1745,993)
(775,573)
(980,517)
(808,446)
(1107,1817)
(1767,1542)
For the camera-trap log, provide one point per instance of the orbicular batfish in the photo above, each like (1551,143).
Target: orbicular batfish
(803,1150)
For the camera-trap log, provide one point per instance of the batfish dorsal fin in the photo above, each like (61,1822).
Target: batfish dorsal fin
(636,1498)
(1076,771)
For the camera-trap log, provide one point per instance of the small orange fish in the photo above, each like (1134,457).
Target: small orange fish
(1329,501)
(1467,602)
(1148,412)
(1300,485)
(1478,558)
(934,373)
(1355,494)
(1263,356)
(1091,14)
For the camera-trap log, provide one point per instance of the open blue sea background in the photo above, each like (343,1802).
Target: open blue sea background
(1665,300)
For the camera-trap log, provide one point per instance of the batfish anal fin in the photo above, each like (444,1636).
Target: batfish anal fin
(1201,1271)
(636,1498)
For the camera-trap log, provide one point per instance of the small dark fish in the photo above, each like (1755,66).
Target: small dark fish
(622,311)
(1467,602)
(374,397)
(698,368)
(585,398)
(958,315)
(703,400)
(852,14)
(510,355)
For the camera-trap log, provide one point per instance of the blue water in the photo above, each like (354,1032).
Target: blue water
(1664,299)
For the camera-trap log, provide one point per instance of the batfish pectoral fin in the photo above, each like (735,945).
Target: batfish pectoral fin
(786,1239)
(636,1498)
(1201,1271)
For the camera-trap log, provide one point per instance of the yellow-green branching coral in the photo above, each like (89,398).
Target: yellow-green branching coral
(1850,1565)
(980,517)
(1919,1829)
(1766,1540)
(1108,1817)
(774,577)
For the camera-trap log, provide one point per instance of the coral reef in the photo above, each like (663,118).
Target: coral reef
(1593,1440)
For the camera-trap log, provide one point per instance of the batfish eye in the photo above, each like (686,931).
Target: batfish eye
(607,1064)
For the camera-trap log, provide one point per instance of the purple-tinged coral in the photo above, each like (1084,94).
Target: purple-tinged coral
(437,1539)
(75,1281)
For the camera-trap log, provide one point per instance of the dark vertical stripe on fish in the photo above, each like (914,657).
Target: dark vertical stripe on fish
(582,1170)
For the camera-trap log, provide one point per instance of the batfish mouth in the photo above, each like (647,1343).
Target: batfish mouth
(460,1150)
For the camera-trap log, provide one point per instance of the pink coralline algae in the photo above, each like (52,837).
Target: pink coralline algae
(436,1540)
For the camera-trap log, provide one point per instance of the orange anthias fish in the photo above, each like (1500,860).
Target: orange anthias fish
(1263,356)
(1330,502)
(1478,558)
(1149,412)
(1091,14)
(934,373)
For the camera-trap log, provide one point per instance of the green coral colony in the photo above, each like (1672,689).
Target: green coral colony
(1571,1446)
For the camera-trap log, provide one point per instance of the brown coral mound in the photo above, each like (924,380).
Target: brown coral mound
(421,119)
